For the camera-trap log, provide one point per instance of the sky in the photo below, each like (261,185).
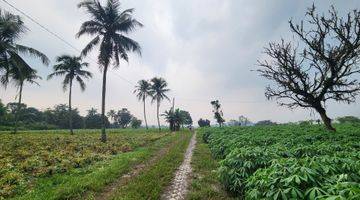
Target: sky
(205,49)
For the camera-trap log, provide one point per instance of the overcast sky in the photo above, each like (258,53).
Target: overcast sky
(205,49)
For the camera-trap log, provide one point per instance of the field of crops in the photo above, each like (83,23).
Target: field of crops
(288,161)
(27,157)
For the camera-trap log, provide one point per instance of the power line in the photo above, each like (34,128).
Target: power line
(58,37)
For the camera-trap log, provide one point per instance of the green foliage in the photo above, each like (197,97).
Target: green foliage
(285,162)
(348,119)
(135,123)
(204,122)
(123,117)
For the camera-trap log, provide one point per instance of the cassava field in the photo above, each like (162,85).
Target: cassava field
(280,162)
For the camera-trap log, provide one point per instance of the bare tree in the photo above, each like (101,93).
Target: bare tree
(323,69)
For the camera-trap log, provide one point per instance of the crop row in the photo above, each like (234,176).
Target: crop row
(288,162)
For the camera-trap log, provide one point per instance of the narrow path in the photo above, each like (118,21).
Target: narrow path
(179,186)
(109,190)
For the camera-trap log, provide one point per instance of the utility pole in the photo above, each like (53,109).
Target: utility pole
(173,104)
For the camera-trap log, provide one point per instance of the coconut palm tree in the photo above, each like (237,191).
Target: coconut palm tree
(109,26)
(112,115)
(142,91)
(72,68)
(11,29)
(158,92)
(19,75)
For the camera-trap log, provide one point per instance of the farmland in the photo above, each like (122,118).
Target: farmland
(57,165)
(287,161)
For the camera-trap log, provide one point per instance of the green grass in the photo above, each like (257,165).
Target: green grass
(205,183)
(150,183)
(92,179)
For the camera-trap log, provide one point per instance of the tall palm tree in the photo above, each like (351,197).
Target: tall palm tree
(142,91)
(109,26)
(11,29)
(158,92)
(19,75)
(72,68)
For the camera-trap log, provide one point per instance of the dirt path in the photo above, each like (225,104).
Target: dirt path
(108,191)
(178,188)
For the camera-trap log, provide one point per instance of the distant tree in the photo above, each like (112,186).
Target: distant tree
(3,112)
(218,114)
(203,122)
(93,120)
(348,119)
(323,70)
(112,115)
(109,26)
(72,68)
(135,123)
(142,91)
(187,120)
(234,122)
(174,118)
(59,116)
(123,117)
(265,123)
(20,75)
(158,92)
(244,121)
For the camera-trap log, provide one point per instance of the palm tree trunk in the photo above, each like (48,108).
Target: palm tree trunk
(157,113)
(70,112)
(18,108)
(145,115)
(103,133)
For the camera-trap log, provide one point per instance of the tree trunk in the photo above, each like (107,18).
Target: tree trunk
(325,118)
(157,113)
(70,112)
(18,109)
(145,115)
(103,125)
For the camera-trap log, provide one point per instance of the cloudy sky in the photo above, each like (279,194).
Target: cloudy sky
(205,49)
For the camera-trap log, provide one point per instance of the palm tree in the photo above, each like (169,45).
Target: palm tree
(142,91)
(112,114)
(11,29)
(157,91)
(19,75)
(72,68)
(174,118)
(110,27)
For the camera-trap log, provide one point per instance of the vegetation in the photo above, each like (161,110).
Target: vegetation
(142,91)
(177,118)
(158,92)
(205,183)
(288,162)
(31,159)
(323,70)
(71,68)
(110,27)
(218,114)
(203,122)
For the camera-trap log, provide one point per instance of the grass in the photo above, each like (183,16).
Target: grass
(150,183)
(205,183)
(60,166)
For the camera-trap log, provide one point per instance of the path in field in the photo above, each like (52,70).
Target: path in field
(109,191)
(179,185)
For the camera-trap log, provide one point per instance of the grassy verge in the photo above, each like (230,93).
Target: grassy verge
(151,183)
(75,183)
(205,183)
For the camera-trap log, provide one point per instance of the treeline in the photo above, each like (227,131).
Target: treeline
(30,118)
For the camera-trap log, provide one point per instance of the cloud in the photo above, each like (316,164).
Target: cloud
(206,49)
